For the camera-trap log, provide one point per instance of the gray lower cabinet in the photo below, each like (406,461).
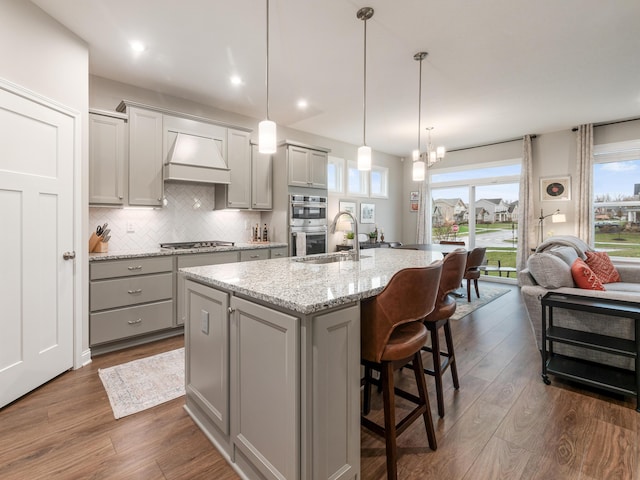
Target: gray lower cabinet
(279,252)
(129,298)
(277,392)
(207,337)
(250,255)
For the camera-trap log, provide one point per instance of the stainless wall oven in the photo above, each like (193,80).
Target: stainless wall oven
(307,211)
(315,240)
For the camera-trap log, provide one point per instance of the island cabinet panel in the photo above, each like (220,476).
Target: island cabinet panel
(265,386)
(196,260)
(207,341)
(336,394)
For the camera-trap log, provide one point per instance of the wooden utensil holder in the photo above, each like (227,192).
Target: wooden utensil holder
(93,242)
(101,247)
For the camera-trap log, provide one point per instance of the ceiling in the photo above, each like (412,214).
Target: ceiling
(496,69)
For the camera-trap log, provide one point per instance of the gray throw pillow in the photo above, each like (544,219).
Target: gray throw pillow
(550,271)
(568,254)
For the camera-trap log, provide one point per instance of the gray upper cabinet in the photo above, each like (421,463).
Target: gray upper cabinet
(251,184)
(307,167)
(239,156)
(145,157)
(107,158)
(261,180)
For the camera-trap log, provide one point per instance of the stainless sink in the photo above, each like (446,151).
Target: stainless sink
(329,258)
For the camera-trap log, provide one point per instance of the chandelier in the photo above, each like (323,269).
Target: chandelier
(421,160)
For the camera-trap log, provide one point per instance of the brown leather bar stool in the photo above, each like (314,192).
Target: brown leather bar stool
(392,334)
(472,270)
(453,268)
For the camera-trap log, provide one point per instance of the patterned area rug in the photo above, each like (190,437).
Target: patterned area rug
(145,383)
(487,294)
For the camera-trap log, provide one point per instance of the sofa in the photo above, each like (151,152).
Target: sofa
(549,269)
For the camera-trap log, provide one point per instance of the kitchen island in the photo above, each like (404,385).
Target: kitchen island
(273,359)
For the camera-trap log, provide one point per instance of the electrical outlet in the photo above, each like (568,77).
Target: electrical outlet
(131,227)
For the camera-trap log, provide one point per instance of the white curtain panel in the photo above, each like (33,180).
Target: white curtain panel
(526,216)
(421,227)
(584,184)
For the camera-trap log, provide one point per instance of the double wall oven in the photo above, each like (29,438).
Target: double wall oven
(307,224)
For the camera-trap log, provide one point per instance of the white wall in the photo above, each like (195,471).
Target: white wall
(43,56)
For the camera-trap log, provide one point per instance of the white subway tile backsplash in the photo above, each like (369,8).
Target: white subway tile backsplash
(187,216)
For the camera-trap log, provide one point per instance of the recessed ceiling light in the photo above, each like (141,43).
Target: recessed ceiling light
(236,80)
(302,103)
(138,47)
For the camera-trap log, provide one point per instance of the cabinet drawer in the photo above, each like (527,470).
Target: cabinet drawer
(128,322)
(199,259)
(130,290)
(249,255)
(131,266)
(279,252)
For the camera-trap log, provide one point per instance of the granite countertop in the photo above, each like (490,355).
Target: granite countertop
(307,288)
(157,252)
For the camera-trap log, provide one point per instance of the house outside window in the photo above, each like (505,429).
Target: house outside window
(616,199)
(479,206)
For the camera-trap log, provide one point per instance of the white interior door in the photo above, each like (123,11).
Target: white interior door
(36,225)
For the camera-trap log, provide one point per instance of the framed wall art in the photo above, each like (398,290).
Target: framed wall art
(414,197)
(555,188)
(350,207)
(367,213)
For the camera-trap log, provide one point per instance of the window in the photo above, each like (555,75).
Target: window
(357,181)
(379,182)
(335,174)
(480,207)
(616,199)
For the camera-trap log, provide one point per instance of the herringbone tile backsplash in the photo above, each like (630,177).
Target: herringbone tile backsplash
(187,216)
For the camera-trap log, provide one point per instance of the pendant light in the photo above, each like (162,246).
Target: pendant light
(267,128)
(364,152)
(419,167)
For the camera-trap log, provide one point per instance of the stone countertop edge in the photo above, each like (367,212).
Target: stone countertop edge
(159,252)
(310,288)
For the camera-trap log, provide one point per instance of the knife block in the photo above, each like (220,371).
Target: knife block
(101,247)
(93,242)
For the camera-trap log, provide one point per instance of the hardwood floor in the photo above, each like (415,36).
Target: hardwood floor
(503,423)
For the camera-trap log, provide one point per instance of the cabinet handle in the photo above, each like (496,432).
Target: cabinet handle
(133,292)
(134,322)
(277,254)
(138,267)
(231,309)
(254,256)
(120,197)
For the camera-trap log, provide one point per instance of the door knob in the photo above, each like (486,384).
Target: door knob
(69,255)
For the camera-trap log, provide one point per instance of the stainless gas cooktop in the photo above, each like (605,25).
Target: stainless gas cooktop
(190,245)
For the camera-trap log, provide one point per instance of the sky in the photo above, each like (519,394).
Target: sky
(617,178)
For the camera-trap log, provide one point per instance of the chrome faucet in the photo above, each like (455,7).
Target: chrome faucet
(332,229)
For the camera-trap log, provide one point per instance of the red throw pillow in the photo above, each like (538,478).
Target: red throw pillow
(601,265)
(584,276)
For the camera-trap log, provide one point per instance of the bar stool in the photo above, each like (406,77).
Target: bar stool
(392,334)
(453,268)
(472,271)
